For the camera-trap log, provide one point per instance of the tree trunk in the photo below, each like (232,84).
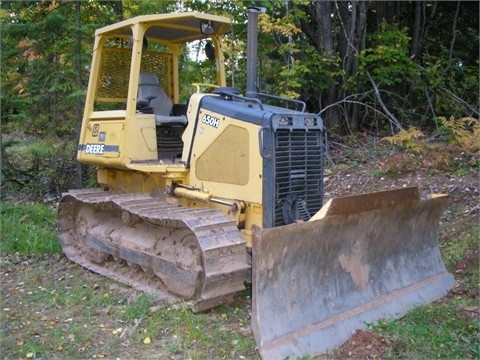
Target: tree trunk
(418,29)
(78,66)
(352,38)
(325,28)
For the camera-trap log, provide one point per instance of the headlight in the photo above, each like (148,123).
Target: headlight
(284,121)
(310,121)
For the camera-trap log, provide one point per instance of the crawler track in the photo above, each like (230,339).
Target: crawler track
(162,249)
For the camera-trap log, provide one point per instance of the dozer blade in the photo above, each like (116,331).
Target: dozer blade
(367,257)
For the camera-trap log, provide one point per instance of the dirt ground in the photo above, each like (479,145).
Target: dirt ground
(365,166)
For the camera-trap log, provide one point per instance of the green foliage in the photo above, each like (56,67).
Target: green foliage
(41,75)
(310,70)
(388,57)
(25,163)
(37,168)
(304,72)
(28,229)
(452,89)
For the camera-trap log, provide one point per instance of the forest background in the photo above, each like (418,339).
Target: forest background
(374,67)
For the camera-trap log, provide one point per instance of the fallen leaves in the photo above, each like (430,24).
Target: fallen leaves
(49,312)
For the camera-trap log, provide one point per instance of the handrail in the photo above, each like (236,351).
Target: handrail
(298,102)
(197,85)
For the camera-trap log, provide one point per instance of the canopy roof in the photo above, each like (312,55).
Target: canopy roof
(171,27)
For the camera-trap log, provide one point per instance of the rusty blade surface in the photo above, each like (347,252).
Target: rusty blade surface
(314,283)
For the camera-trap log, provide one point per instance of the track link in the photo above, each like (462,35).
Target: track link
(164,250)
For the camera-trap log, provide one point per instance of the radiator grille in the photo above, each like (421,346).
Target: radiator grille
(298,172)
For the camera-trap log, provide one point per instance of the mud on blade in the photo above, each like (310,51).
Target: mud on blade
(368,257)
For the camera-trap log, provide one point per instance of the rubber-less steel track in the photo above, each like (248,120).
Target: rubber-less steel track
(153,246)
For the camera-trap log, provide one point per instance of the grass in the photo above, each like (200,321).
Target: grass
(28,229)
(436,331)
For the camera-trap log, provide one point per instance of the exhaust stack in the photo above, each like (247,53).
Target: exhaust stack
(252,37)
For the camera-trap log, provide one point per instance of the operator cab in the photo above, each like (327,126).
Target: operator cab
(140,77)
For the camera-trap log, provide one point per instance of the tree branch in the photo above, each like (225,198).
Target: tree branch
(474,110)
(393,120)
(454,36)
(346,101)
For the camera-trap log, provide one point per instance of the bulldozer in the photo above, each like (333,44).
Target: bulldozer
(197,197)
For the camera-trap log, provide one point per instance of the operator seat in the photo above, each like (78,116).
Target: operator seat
(150,93)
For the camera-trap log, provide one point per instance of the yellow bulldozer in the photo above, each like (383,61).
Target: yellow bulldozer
(196,198)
